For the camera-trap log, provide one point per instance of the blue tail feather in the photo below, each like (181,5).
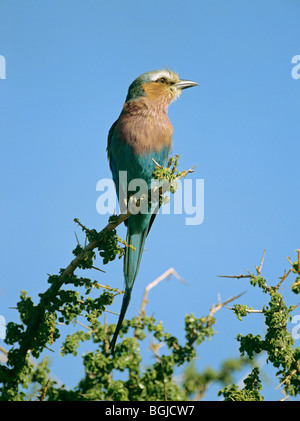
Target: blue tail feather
(132,262)
(125,302)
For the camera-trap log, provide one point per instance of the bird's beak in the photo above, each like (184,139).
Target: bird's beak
(183,84)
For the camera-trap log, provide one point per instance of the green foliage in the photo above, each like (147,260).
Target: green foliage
(260,282)
(169,173)
(101,380)
(240,310)
(250,391)
(278,343)
(167,178)
(74,300)
(196,384)
(296,286)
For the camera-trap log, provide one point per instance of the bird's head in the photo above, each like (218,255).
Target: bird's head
(162,85)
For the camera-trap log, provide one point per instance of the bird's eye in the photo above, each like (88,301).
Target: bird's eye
(162,80)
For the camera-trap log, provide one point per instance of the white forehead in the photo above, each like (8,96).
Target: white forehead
(163,73)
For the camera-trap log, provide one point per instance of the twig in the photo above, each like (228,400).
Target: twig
(43,392)
(234,276)
(112,312)
(110,289)
(85,326)
(167,273)
(287,378)
(248,310)
(49,349)
(3,351)
(100,270)
(258,269)
(76,239)
(250,275)
(217,307)
(282,279)
(81,225)
(283,399)
(126,244)
(298,251)
(156,163)
(184,173)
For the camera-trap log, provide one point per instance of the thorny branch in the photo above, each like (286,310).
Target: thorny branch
(258,273)
(217,307)
(166,274)
(32,327)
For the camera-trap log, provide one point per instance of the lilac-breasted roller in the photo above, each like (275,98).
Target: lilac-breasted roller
(141,135)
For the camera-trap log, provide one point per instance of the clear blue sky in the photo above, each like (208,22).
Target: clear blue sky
(68,68)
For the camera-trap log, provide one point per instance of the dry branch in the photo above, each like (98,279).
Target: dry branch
(167,273)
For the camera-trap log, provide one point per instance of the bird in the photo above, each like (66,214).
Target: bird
(138,140)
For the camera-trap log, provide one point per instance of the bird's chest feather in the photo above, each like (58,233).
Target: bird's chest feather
(145,128)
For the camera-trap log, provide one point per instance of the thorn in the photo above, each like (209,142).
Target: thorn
(77,238)
(156,163)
